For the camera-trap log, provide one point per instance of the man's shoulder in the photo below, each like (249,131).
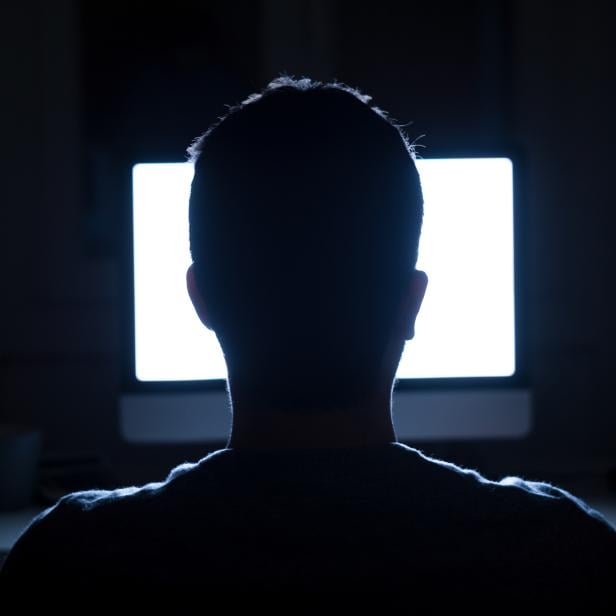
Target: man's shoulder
(558,498)
(566,523)
(84,523)
(48,536)
(512,497)
(571,540)
(97,521)
(525,529)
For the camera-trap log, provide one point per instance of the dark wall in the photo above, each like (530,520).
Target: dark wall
(90,86)
(564,95)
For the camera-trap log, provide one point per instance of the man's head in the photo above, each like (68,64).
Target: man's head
(305,216)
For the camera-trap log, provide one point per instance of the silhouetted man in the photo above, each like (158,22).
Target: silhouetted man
(305,217)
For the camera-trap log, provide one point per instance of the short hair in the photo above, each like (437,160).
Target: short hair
(305,215)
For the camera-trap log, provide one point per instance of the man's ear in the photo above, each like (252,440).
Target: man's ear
(196,298)
(415,292)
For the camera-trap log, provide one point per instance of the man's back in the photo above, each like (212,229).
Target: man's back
(387,518)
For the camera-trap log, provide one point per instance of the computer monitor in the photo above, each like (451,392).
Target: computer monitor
(458,378)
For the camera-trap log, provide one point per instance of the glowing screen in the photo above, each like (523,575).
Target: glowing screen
(465,328)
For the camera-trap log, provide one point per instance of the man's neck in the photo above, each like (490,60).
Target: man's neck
(358,427)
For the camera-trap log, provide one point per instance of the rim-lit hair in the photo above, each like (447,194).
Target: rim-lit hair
(304,84)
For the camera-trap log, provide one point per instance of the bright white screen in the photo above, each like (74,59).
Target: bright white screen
(465,327)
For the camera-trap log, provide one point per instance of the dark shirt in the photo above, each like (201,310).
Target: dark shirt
(387,519)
